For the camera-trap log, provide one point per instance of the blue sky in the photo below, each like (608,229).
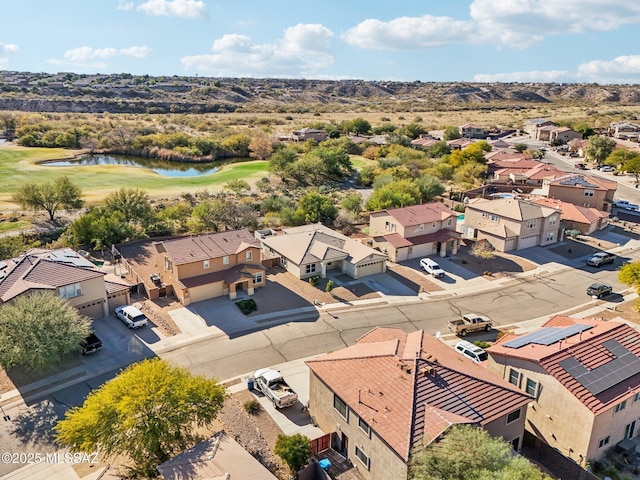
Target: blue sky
(427,40)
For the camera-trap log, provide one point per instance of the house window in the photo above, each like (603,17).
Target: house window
(636,397)
(604,441)
(340,407)
(249,255)
(386,226)
(421,228)
(205,264)
(257,277)
(225,260)
(589,193)
(621,406)
(553,220)
(70,291)
(485,214)
(513,416)
(310,268)
(514,377)
(549,237)
(364,426)
(495,218)
(393,227)
(531,387)
(168,265)
(449,222)
(362,457)
(283,262)
(531,224)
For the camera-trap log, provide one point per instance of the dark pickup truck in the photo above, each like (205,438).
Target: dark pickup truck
(90,344)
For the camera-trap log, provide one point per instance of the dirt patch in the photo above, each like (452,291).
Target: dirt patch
(581,247)
(19,377)
(411,278)
(501,265)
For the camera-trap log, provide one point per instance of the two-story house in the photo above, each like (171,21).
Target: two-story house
(416,231)
(584,376)
(575,217)
(511,224)
(564,135)
(584,190)
(81,285)
(393,392)
(472,130)
(211,265)
(312,250)
(532,126)
(308,133)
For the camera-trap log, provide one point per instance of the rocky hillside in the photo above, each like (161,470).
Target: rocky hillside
(123,93)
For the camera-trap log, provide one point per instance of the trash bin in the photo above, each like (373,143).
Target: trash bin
(325,464)
(250,383)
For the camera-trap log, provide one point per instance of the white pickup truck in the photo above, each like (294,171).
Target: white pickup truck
(271,383)
(626,205)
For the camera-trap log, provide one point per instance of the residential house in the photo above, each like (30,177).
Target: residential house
(218,457)
(532,126)
(423,142)
(584,377)
(584,190)
(206,266)
(544,133)
(625,130)
(526,176)
(82,286)
(564,135)
(307,133)
(394,392)
(472,130)
(511,224)
(575,217)
(414,232)
(460,143)
(312,250)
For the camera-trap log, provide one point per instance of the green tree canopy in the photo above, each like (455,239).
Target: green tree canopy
(100,228)
(599,148)
(352,202)
(149,412)
(133,203)
(281,161)
(396,193)
(632,165)
(295,450)
(38,329)
(358,125)
(470,453)
(317,208)
(49,196)
(451,132)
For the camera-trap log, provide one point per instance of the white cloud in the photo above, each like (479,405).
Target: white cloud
(509,23)
(137,52)
(82,54)
(409,33)
(303,50)
(525,77)
(174,8)
(124,5)
(624,69)
(8,48)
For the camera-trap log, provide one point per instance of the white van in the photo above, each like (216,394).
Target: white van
(431,267)
(471,351)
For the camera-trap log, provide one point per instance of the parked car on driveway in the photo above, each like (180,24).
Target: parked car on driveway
(599,290)
(601,258)
(431,267)
(90,344)
(470,322)
(626,205)
(131,316)
(471,351)
(607,168)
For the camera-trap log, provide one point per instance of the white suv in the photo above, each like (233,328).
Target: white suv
(471,351)
(131,316)
(431,267)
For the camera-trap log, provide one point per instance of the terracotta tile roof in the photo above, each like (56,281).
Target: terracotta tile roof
(410,387)
(205,247)
(418,214)
(588,349)
(33,273)
(231,275)
(398,241)
(463,142)
(424,142)
(584,181)
(574,213)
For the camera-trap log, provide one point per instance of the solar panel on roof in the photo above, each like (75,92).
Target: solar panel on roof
(624,366)
(547,335)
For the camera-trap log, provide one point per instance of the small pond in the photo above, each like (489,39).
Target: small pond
(161,167)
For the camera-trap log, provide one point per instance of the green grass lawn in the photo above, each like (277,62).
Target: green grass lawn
(8,226)
(19,165)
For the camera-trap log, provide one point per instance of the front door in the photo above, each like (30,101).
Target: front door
(344,444)
(629,430)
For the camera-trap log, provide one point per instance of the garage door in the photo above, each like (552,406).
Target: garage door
(370,268)
(526,242)
(92,310)
(204,292)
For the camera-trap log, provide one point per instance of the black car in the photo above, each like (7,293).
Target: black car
(90,344)
(599,290)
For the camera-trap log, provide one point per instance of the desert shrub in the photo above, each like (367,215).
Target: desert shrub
(329,286)
(247,306)
(252,407)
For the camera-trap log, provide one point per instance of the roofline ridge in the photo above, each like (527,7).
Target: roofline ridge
(618,326)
